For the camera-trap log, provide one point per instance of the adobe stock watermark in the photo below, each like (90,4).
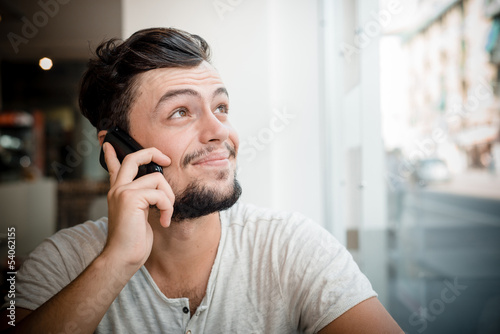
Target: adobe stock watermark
(427,147)
(250,147)
(30,28)
(437,306)
(371,29)
(223,6)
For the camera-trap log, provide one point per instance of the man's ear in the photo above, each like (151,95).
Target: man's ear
(101,136)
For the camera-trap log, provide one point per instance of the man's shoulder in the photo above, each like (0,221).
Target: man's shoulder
(90,235)
(90,228)
(284,227)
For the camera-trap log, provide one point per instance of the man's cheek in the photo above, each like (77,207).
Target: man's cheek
(233,137)
(171,174)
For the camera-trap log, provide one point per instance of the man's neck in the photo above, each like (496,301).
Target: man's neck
(184,247)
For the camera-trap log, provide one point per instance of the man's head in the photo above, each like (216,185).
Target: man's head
(160,87)
(108,87)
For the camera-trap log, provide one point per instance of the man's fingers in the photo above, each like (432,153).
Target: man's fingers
(147,197)
(131,163)
(112,161)
(151,189)
(153,181)
(127,171)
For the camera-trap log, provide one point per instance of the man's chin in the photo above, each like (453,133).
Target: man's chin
(199,200)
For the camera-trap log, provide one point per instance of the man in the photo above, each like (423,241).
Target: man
(176,254)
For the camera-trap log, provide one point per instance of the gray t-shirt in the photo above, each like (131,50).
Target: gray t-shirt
(273,273)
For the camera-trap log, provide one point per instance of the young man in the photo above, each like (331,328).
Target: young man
(176,254)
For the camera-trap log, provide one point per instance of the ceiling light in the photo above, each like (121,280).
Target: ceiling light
(45,63)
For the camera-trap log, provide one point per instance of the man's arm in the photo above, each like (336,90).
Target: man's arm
(80,306)
(369,316)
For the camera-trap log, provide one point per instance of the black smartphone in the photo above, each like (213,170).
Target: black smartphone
(123,145)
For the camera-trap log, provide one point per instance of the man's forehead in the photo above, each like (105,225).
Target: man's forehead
(162,78)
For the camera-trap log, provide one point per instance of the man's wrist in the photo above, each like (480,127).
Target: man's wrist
(119,270)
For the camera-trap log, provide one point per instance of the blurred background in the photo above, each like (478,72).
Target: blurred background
(380,120)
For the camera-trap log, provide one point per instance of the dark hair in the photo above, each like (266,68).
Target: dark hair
(108,87)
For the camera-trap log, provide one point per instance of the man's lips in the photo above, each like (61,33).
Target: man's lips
(214,158)
(211,154)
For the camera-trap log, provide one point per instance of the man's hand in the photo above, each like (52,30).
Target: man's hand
(130,236)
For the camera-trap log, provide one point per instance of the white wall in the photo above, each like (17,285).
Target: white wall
(267,55)
(31,208)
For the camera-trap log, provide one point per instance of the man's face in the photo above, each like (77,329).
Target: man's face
(184,113)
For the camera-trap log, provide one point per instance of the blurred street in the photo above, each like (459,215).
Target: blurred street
(445,258)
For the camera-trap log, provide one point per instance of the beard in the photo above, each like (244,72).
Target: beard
(198,201)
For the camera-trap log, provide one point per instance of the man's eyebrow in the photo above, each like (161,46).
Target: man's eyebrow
(173,93)
(219,91)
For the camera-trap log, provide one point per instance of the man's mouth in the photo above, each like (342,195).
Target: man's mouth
(211,156)
(216,158)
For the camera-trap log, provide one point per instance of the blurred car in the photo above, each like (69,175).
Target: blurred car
(430,171)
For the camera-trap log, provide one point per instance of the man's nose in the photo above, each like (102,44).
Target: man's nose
(211,128)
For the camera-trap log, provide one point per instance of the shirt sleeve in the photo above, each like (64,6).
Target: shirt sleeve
(318,276)
(56,262)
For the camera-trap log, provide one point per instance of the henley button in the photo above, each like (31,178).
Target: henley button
(185,310)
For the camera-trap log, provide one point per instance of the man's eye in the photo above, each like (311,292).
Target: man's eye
(222,109)
(179,113)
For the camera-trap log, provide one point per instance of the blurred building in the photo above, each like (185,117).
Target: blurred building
(452,50)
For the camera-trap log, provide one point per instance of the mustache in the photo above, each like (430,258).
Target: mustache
(206,151)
